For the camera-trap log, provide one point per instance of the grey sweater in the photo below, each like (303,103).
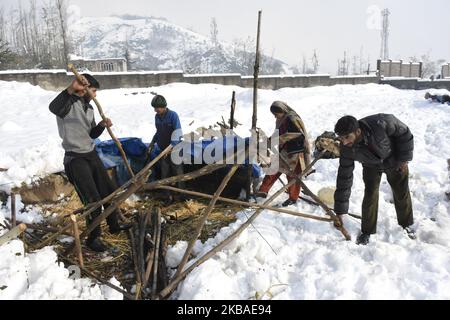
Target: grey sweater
(76,123)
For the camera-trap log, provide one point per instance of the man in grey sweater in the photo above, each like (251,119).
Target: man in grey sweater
(85,170)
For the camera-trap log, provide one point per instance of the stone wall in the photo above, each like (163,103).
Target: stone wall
(445,71)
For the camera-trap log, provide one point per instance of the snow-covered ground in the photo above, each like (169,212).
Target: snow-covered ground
(305,259)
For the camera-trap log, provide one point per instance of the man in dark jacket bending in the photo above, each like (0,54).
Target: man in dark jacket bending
(382,143)
(85,170)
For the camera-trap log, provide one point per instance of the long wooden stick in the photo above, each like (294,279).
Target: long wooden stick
(233,108)
(163,277)
(203,218)
(255,103)
(256,74)
(93,207)
(172,285)
(102,114)
(140,245)
(76,235)
(151,254)
(13,209)
(185,177)
(330,212)
(247,204)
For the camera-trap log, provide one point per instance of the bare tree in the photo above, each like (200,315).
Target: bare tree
(7,57)
(214,32)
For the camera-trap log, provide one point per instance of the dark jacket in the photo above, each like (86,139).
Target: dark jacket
(165,126)
(295,145)
(386,142)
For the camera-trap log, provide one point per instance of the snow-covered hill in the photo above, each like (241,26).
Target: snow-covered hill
(306,259)
(156,44)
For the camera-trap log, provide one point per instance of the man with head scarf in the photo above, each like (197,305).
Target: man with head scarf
(294,153)
(168,132)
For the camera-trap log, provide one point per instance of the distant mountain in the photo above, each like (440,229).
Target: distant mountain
(155,44)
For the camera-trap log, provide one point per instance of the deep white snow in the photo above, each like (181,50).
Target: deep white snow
(306,259)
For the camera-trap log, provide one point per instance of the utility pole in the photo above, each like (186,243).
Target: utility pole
(343,66)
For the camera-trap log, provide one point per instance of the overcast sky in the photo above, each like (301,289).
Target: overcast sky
(291,28)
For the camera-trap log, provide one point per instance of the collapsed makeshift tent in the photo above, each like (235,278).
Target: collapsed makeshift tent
(197,156)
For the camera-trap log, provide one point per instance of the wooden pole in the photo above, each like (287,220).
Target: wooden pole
(136,264)
(155,261)
(163,276)
(308,192)
(32,226)
(111,208)
(115,194)
(233,108)
(102,114)
(151,254)
(172,285)
(247,204)
(184,177)
(76,235)
(89,274)
(330,212)
(13,233)
(203,218)
(255,103)
(13,209)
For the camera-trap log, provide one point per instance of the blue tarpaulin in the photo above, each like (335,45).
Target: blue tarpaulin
(135,149)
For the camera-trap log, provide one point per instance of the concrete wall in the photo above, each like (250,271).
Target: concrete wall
(59,79)
(399,69)
(417,84)
(103,65)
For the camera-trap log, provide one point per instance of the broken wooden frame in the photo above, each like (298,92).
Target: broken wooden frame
(115,199)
